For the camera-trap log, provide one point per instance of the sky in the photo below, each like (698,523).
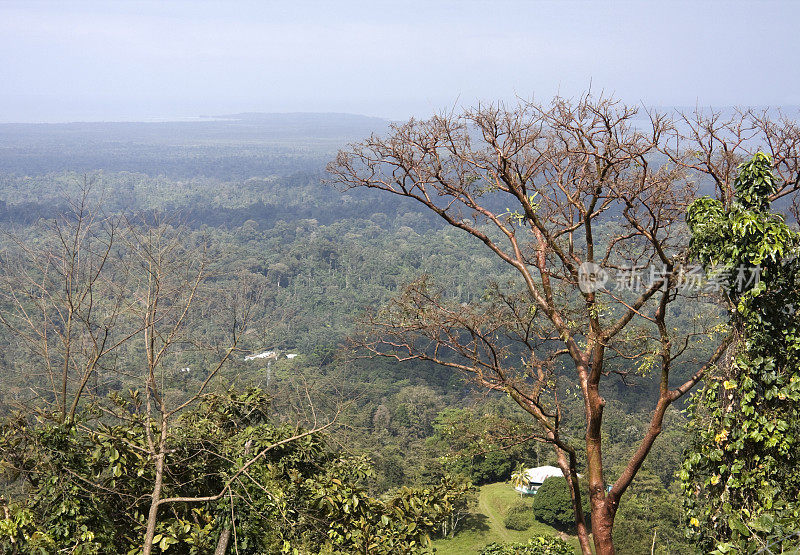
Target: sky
(119,61)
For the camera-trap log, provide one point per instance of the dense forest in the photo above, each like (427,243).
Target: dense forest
(194,305)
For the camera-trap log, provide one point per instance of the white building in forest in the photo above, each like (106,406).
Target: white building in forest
(535,477)
(267,355)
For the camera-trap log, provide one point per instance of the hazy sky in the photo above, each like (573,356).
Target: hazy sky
(113,60)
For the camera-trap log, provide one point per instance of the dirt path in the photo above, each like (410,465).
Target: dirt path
(495,522)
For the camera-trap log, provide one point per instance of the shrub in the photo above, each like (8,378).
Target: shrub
(538,545)
(519,517)
(552,503)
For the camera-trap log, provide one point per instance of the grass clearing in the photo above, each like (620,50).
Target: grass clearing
(486,525)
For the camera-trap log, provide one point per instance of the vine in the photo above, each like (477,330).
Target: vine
(739,477)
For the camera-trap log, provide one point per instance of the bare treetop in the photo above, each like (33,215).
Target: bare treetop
(533,184)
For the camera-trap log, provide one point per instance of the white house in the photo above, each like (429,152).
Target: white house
(269,355)
(535,477)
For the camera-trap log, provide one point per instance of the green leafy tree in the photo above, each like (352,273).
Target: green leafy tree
(484,445)
(284,490)
(740,478)
(402,523)
(84,483)
(552,503)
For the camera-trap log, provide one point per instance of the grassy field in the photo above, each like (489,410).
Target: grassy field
(486,526)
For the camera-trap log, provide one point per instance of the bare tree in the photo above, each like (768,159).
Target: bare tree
(712,144)
(173,294)
(133,299)
(594,187)
(60,301)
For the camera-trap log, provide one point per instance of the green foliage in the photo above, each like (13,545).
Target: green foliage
(19,532)
(86,482)
(650,518)
(57,511)
(402,523)
(739,478)
(745,234)
(755,183)
(552,503)
(489,467)
(538,545)
(519,517)
(86,487)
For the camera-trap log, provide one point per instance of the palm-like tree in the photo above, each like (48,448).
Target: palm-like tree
(519,478)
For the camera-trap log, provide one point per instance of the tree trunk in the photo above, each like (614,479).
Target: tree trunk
(567,466)
(602,530)
(222,544)
(152,517)
(603,508)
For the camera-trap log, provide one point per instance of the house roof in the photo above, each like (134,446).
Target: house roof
(265,354)
(541,473)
